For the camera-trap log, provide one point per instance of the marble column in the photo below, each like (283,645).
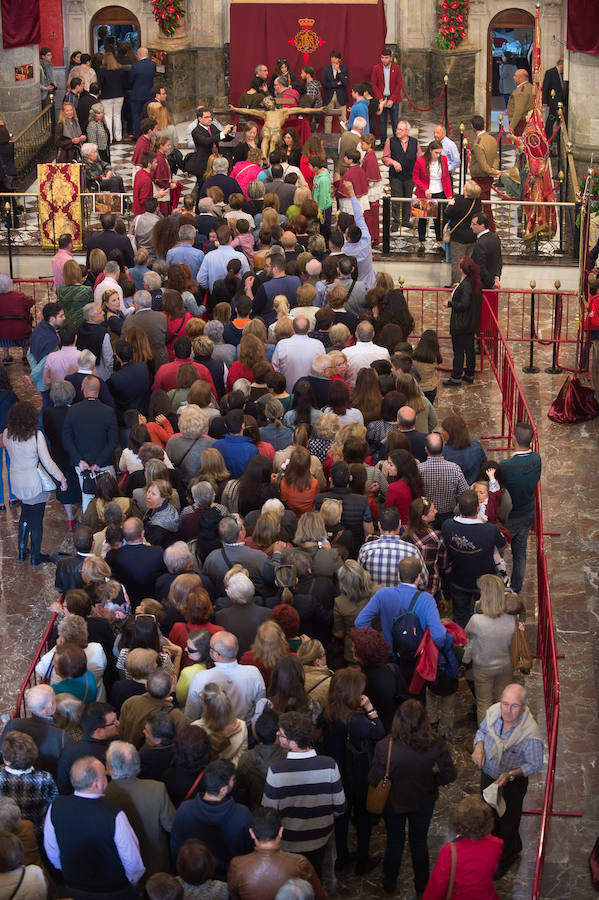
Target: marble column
(583,117)
(20,101)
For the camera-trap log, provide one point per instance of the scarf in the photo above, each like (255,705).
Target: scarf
(71,128)
(526,728)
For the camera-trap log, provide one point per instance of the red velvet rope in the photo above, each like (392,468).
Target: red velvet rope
(424,108)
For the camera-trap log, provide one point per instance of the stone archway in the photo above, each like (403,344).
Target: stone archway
(117,16)
(517,19)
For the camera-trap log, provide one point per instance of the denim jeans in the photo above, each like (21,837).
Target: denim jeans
(519,530)
(418,823)
(388,112)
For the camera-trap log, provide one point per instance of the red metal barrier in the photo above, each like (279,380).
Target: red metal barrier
(515,409)
(31,676)
(42,291)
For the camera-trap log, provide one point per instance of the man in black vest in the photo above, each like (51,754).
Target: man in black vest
(91,841)
(400,154)
(205,136)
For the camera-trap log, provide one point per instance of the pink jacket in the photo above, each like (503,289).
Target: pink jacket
(421,177)
(244,172)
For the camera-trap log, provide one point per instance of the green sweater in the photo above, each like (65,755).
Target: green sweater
(521,474)
(321,190)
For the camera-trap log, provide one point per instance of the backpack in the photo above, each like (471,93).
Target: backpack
(407,632)
(208,538)
(175,161)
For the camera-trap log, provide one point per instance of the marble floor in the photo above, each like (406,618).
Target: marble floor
(571,499)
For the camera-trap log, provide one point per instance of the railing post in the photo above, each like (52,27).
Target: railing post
(8,211)
(387,224)
(500,142)
(446,82)
(462,173)
(560,176)
(554,369)
(531,369)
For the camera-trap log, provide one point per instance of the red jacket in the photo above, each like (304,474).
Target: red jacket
(143,145)
(143,189)
(166,376)
(475,864)
(421,177)
(15,317)
(377,80)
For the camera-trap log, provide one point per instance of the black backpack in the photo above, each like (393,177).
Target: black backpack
(407,632)
(175,161)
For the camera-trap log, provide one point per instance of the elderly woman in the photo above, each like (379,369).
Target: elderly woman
(98,133)
(73,676)
(73,293)
(185,450)
(73,630)
(161,521)
(32,474)
(355,590)
(31,788)
(98,172)
(477,854)
(490,634)
(62,394)
(67,135)
(15,320)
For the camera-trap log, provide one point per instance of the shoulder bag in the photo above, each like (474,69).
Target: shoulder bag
(48,483)
(520,651)
(378,794)
(454,859)
(191,790)
(447,231)
(20,882)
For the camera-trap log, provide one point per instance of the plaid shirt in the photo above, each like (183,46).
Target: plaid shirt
(32,790)
(443,482)
(526,754)
(314,89)
(381,559)
(434,553)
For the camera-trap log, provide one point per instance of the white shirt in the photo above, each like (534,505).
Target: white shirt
(387,77)
(435,182)
(450,150)
(360,356)
(293,357)
(243,684)
(108,284)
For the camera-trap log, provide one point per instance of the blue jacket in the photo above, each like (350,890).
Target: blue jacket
(224,828)
(388,603)
(237,450)
(142,79)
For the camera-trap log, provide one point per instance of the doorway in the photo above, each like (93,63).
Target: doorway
(510,39)
(114,23)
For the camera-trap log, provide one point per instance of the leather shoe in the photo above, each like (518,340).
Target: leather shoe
(39,560)
(367,865)
(469,379)
(452,382)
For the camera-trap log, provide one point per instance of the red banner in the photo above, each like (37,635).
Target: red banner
(20,23)
(358,31)
(582,38)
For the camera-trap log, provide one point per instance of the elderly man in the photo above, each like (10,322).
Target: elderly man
(520,102)
(508,749)
(91,841)
(143,226)
(293,356)
(232,533)
(244,685)
(350,140)
(145,803)
(153,323)
(185,252)
(443,480)
(450,149)
(92,335)
(39,725)
(400,154)
(136,710)
(243,616)
(363,352)
(90,435)
(221,179)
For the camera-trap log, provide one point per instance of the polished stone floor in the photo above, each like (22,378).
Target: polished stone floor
(570,507)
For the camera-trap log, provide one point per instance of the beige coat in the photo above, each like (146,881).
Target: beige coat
(519,104)
(485,158)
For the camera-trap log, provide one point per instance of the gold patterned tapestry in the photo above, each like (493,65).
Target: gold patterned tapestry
(59,202)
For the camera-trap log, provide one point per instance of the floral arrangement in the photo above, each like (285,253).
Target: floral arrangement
(452,23)
(168,14)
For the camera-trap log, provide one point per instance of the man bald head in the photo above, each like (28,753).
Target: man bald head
(301,325)
(142,53)
(439,132)
(88,776)
(406,417)
(520,76)
(224,646)
(41,700)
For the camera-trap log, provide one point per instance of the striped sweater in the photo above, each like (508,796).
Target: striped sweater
(307,791)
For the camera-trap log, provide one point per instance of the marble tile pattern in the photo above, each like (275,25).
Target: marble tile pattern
(571,498)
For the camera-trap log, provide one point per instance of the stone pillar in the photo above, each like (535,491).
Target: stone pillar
(20,101)
(459,65)
(583,117)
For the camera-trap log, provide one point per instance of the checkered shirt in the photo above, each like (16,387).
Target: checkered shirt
(443,482)
(434,553)
(314,89)
(381,559)
(32,790)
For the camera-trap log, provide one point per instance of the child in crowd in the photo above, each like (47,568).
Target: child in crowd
(489,495)
(372,171)
(244,239)
(355,174)
(321,189)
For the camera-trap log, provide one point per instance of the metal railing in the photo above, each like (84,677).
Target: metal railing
(31,677)
(32,139)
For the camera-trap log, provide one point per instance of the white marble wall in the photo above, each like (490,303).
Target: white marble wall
(583,122)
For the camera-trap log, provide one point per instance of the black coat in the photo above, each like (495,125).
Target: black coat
(487,256)
(90,432)
(335,81)
(110,240)
(76,379)
(137,567)
(204,140)
(130,388)
(459,216)
(49,739)
(465,309)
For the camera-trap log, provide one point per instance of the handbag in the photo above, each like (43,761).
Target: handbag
(88,482)
(378,794)
(454,859)
(520,651)
(48,483)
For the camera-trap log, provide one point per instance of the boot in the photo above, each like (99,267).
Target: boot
(23,540)
(37,557)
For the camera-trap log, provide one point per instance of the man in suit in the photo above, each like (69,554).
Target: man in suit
(553,81)
(205,136)
(129,385)
(350,140)
(108,240)
(400,153)
(68,568)
(387,85)
(39,725)
(335,79)
(520,102)
(136,564)
(90,435)
(487,252)
(484,162)
(141,81)
(151,321)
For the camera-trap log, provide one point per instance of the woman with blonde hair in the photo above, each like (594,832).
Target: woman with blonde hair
(185,451)
(311,537)
(269,646)
(164,125)
(490,634)
(426,417)
(298,487)
(67,135)
(335,452)
(356,589)
(265,533)
(96,264)
(108,596)
(228,734)
(313,658)
(113,82)
(281,307)
(213,468)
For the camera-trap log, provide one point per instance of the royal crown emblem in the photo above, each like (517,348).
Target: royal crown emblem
(306,40)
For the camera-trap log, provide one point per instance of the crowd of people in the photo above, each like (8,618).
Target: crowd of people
(268,518)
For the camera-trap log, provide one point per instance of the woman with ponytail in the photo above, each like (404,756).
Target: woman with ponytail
(465,306)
